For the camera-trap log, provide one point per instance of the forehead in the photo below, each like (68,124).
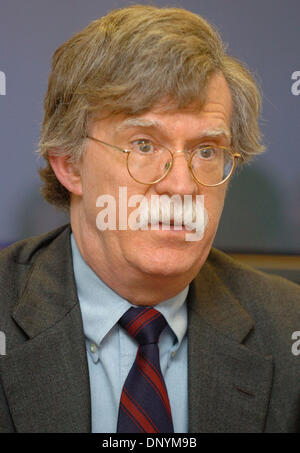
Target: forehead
(159,124)
(214,114)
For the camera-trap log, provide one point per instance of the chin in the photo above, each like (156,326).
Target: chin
(166,262)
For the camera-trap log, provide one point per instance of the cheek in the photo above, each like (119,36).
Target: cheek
(214,202)
(101,179)
(97,178)
(94,184)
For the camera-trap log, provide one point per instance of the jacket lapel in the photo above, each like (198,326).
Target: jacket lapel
(229,384)
(46,379)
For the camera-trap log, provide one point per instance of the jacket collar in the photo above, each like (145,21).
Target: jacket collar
(211,299)
(50,291)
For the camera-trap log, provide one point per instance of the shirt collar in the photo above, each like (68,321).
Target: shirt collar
(102,308)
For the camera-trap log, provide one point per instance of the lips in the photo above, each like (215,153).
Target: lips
(171,226)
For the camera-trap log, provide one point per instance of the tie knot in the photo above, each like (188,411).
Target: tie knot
(143,324)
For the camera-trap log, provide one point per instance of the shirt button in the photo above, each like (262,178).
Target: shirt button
(93,347)
(173,354)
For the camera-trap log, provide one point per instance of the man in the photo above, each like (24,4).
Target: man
(145,99)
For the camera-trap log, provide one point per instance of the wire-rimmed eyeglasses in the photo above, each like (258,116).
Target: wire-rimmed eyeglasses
(149,162)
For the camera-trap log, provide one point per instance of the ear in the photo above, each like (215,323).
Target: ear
(67,173)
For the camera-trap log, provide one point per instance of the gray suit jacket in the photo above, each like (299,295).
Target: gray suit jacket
(243,376)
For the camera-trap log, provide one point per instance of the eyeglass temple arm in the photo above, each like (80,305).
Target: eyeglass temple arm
(108,144)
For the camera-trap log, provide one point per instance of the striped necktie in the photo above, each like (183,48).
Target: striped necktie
(144,404)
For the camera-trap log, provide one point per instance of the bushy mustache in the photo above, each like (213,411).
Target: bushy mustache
(187,212)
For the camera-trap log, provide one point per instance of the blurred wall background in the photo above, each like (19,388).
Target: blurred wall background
(261,213)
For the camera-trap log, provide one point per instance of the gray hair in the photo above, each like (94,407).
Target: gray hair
(126,62)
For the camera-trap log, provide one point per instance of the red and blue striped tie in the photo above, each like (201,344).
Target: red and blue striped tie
(144,404)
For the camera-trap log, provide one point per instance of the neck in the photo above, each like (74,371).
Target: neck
(135,286)
(138,287)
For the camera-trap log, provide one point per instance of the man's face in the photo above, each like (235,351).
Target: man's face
(164,253)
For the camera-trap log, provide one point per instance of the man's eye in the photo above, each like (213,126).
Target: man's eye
(143,146)
(205,153)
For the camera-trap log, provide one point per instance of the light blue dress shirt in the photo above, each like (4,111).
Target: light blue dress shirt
(111,351)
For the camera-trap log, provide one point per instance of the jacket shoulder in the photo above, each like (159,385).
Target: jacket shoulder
(273,302)
(246,281)
(15,265)
(26,250)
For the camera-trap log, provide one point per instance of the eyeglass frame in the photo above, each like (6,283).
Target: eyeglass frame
(235,156)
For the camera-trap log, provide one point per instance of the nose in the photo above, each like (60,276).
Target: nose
(179,180)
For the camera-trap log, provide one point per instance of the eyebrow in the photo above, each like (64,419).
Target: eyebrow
(139,122)
(217,131)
